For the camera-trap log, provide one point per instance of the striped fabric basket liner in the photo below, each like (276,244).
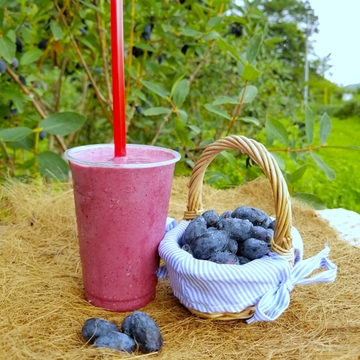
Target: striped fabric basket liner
(260,289)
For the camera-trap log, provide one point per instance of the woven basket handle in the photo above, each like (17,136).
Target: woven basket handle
(282,241)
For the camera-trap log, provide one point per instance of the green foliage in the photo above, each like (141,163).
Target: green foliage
(52,165)
(344,191)
(195,71)
(325,128)
(349,109)
(322,91)
(62,123)
(14,134)
(7,48)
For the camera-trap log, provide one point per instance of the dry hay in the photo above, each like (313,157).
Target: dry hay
(42,306)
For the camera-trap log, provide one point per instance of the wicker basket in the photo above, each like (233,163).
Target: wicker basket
(282,240)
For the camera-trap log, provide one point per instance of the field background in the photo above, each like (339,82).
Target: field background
(344,191)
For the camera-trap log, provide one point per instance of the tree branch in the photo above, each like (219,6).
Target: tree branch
(191,79)
(165,120)
(58,87)
(74,44)
(36,104)
(71,136)
(201,63)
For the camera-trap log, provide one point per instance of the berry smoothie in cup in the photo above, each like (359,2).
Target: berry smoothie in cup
(121,209)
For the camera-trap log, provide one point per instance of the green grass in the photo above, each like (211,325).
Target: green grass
(344,191)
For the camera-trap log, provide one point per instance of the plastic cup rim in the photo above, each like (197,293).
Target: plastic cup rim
(69,155)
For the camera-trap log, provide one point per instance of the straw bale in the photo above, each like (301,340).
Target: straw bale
(42,305)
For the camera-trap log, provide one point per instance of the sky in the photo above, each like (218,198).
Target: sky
(339,34)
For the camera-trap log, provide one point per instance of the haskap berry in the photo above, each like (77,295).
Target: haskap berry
(143,329)
(138,330)
(234,237)
(209,243)
(95,327)
(2,67)
(116,340)
(239,229)
(196,228)
(211,217)
(226,214)
(254,248)
(258,232)
(232,246)
(256,216)
(224,257)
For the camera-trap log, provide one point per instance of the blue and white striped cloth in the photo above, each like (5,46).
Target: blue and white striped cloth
(209,287)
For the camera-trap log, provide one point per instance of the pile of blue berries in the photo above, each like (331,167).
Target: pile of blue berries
(234,237)
(138,330)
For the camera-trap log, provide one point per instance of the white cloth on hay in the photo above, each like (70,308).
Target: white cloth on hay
(345,222)
(267,282)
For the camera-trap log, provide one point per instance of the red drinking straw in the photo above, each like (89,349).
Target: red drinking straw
(118,81)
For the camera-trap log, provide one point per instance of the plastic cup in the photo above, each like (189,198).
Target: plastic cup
(121,209)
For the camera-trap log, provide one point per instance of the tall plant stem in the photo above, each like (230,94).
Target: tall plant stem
(103,48)
(237,109)
(158,132)
(8,158)
(191,79)
(58,87)
(201,63)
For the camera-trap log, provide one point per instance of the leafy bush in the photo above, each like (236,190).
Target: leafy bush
(344,190)
(349,109)
(195,71)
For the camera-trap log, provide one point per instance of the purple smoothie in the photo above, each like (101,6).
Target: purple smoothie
(121,209)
